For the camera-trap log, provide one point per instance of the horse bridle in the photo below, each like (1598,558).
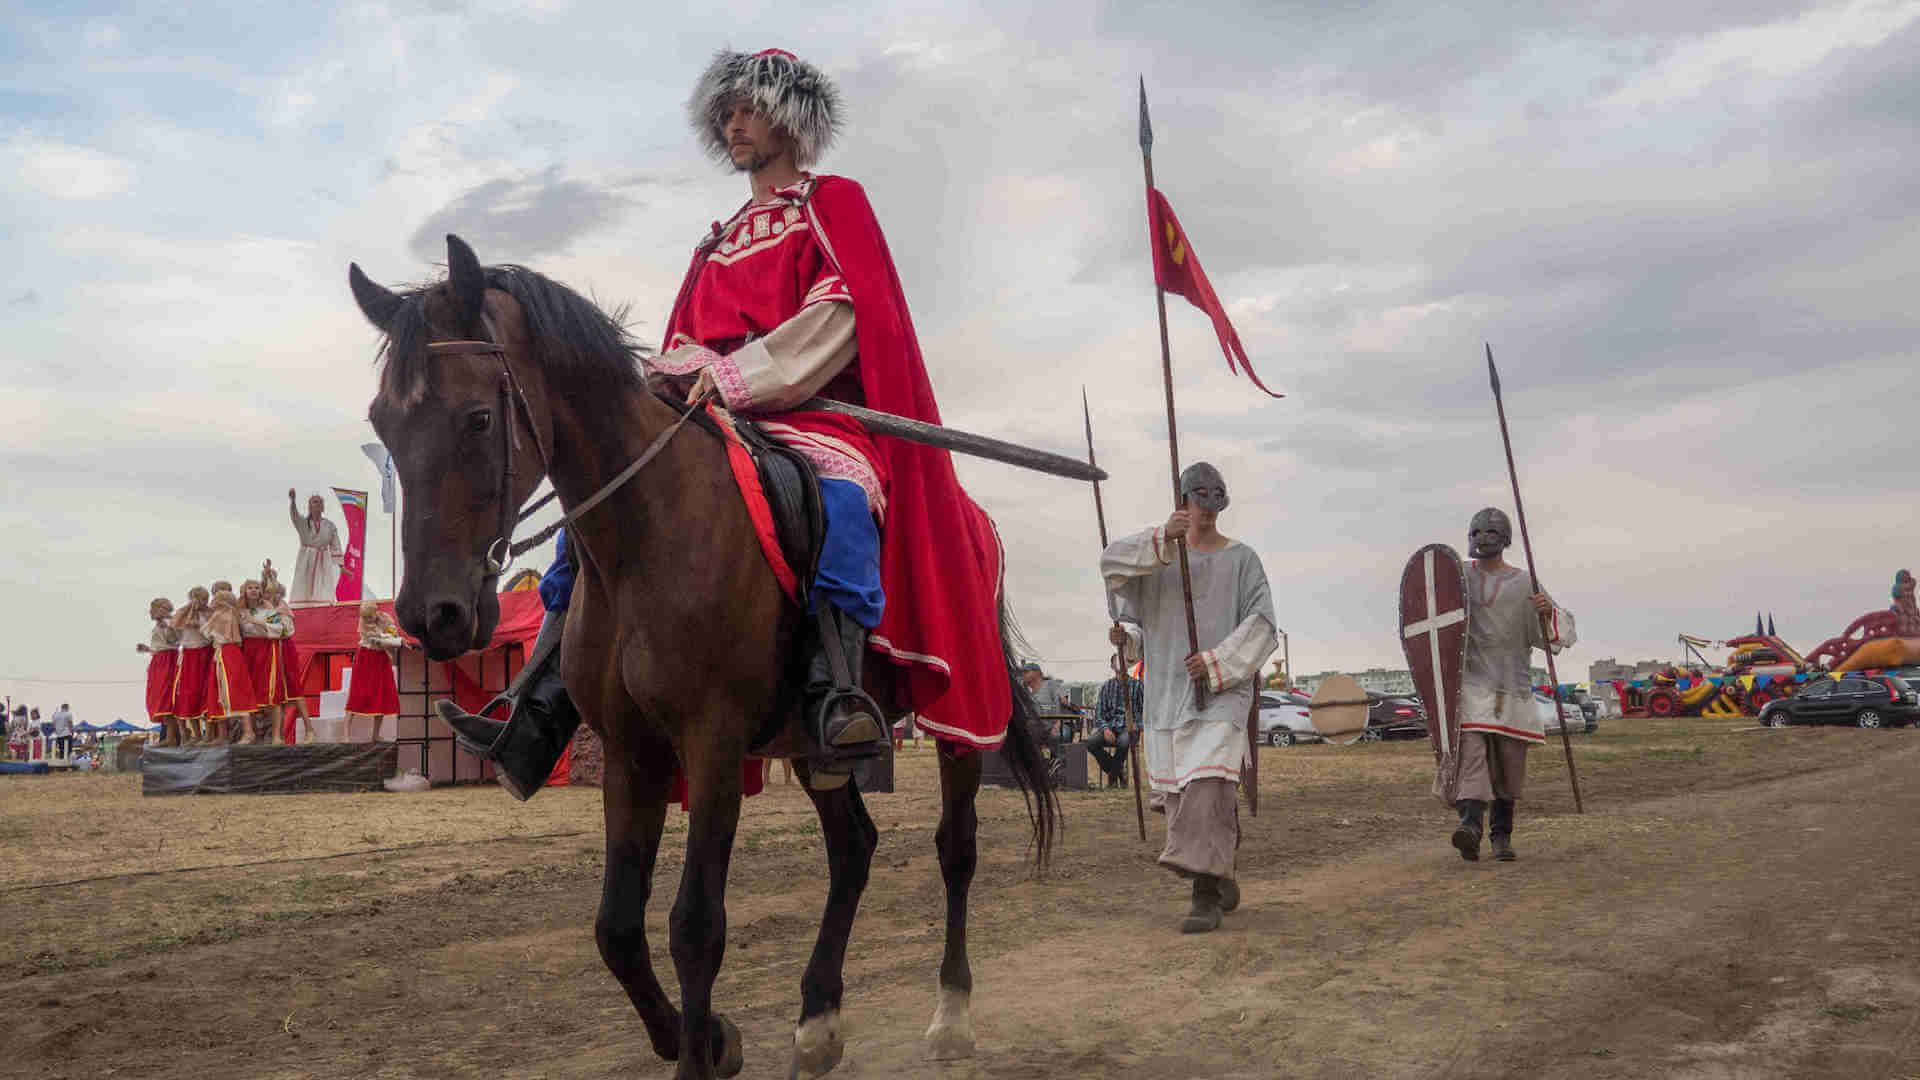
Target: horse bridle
(514,407)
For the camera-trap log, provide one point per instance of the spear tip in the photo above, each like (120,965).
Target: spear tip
(1493,373)
(1146,125)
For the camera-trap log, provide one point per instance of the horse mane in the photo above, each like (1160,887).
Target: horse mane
(576,344)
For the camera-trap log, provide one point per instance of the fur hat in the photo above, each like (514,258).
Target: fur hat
(796,97)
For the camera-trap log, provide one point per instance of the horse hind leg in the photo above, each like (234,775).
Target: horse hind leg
(950,1036)
(851,839)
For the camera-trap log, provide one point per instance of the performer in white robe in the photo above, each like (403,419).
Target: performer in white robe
(317,570)
(1499,720)
(1194,755)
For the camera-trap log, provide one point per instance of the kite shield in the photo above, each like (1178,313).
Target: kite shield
(1433,631)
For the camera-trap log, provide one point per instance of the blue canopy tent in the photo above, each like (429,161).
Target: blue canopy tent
(125,728)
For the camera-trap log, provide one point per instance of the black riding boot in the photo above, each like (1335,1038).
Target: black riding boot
(540,719)
(1500,830)
(1466,835)
(1205,915)
(843,723)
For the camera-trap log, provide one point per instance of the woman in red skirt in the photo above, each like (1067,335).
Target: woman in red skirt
(289,688)
(190,676)
(229,689)
(260,644)
(374,694)
(161,667)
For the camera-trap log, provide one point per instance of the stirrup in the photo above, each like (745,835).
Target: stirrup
(476,732)
(862,733)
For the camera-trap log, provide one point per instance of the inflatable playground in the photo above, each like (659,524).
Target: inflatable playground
(1761,666)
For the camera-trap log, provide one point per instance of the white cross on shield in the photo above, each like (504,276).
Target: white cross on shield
(1429,628)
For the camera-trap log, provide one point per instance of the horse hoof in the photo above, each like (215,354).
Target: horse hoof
(950,1036)
(817,1045)
(727,1057)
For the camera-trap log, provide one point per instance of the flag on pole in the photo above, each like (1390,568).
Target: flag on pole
(382,461)
(353,505)
(1176,266)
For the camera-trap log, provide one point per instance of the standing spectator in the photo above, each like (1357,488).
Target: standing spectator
(1112,735)
(45,728)
(17,733)
(63,731)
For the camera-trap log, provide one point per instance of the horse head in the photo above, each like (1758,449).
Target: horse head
(466,424)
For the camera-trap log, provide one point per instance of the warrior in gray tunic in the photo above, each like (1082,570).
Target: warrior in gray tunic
(1499,721)
(1194,755)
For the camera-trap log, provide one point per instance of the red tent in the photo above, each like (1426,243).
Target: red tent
(328,634)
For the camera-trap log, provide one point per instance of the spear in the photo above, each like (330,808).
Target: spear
(1120,651)
(1166,378)
(1506,440)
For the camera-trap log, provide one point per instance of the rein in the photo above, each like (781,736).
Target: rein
(513,407)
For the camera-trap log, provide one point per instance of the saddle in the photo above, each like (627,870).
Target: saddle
(781,493)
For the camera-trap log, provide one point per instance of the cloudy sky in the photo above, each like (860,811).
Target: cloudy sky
(1687,228)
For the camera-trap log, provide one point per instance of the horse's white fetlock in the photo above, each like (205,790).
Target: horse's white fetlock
(817,1045)
(950,1036)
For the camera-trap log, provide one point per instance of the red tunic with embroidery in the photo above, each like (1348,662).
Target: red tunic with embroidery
(940,560)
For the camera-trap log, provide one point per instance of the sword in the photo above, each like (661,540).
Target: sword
(960,442)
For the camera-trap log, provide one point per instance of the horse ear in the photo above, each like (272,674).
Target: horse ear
(377,302)
(466,281)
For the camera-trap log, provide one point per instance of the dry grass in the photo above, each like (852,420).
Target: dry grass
(104,826)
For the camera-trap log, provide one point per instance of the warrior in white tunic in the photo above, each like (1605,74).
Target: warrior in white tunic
(317,571)
(1499,721)
(1194,755)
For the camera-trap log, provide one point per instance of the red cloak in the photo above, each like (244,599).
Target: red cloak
(940,557)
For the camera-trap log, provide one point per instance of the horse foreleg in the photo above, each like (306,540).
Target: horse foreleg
(634,797)
(950,1035)
(697,926)
(851,840)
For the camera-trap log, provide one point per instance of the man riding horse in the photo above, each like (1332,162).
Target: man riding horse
(795,297)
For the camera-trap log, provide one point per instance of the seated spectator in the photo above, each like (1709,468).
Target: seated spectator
(1048,695)
(1112,735)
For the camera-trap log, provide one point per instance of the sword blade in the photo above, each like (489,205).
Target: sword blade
(960,442)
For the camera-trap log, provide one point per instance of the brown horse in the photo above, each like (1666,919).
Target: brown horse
(679,647)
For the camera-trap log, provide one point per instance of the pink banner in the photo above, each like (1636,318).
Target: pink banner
(353,505)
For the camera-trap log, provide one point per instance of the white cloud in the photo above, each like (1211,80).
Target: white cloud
(62,171)
(1776,50)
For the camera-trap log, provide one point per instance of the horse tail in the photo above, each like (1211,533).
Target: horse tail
(1021,751)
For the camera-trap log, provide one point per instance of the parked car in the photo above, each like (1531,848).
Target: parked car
(1860,700)
(1395,716)
(1552,718)
(1589,708)
(1285,719)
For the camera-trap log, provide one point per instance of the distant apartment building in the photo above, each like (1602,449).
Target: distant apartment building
(1379,680)
(1603,673)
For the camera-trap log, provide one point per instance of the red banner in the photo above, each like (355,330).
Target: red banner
(1176,267)
(353,505)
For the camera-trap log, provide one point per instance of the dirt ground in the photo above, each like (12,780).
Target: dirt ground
(1734,903)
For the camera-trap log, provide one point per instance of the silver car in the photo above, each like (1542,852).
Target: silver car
(1285,719)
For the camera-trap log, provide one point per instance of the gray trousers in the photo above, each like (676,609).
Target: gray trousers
(1492,766)
(1203,828)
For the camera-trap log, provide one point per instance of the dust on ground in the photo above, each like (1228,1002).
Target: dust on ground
(1733,903)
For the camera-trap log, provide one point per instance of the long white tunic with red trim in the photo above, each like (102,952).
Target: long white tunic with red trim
(1496,694)
(1233,616)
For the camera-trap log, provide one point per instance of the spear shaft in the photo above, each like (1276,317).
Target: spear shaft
(1119,651)
(1166,378)
(1526,545)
